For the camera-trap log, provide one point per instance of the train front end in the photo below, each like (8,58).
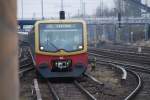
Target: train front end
(61,48)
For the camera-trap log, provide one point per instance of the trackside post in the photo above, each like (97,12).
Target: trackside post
(9,84)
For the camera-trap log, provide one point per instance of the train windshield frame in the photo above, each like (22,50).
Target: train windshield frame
(54,37)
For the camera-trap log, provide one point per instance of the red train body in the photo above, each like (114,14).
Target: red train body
(45,65)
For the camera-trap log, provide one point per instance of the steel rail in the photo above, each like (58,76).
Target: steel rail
(130,66)
(119,51)
(20,52)
(32,56)
(53,91)
(138,78)
(93,78)
(22,66)
(22,69)
(140,55)
(85,91)
(124,72)
(135,91)
(25,70)
(37,90)
(23,59)
(133,58)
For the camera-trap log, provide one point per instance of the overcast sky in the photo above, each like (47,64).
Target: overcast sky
(32,8)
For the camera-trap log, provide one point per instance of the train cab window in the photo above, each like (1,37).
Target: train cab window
(55,37)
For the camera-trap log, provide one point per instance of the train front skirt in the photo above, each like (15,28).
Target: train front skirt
(76,72)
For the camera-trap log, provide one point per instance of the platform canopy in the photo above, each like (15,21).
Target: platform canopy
(21,23)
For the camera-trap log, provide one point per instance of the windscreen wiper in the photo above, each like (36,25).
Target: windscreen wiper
(54,46)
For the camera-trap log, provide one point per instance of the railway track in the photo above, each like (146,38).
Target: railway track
(68,91)
(124,56)
(142,54)
(26,62)
(125,48)
(86,88)
(146,49)
(72,90)
(128,82)
(143,72)
(132,66)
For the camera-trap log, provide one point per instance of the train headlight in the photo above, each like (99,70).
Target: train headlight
(80,47)
(42,48)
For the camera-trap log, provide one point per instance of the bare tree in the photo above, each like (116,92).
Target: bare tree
(106,12)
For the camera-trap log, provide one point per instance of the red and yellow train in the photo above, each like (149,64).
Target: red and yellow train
(59,47)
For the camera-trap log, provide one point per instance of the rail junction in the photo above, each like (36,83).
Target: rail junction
(129,66)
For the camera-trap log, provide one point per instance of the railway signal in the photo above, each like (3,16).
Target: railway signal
(62,15)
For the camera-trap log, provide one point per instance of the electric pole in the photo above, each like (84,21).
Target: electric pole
(81,7)
(42,5)
(101,8)
(78,12)
(62,5)
(120,12)
(84,12)
(22,9)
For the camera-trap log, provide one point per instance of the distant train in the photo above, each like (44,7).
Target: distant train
(59,48)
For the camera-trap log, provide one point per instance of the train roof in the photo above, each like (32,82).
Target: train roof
(60,21)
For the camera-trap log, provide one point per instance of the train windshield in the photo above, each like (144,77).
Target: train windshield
(55,37)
